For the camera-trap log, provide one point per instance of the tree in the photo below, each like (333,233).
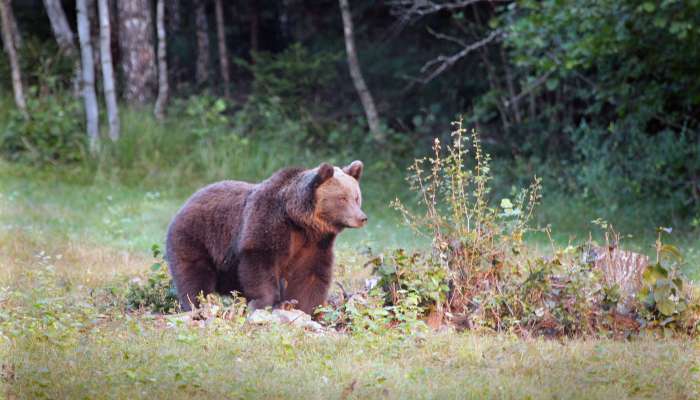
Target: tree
(89,97)
(202,26)
(162,99)
(11,50)
(108,70)
(357,79)
(64,37)
(223,53)
(59,25)
(137,54)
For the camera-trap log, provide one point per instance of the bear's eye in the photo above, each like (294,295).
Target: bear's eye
(343,198)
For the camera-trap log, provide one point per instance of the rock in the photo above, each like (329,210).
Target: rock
(289,317)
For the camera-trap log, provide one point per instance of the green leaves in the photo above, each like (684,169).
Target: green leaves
(648,6)
(662,295)
(653,273)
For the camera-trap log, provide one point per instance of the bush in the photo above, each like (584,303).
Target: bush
(53,132)
(496,283)
(157,293)
(668,299)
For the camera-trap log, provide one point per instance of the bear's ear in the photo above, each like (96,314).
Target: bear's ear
(354,169)
(325,172)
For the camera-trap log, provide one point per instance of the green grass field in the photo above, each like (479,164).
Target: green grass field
(67,251)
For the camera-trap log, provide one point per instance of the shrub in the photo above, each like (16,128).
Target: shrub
(157,293)
(53,132)
(470,238)
(668,300)
(496,282)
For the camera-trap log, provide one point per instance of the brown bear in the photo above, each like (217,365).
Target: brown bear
(271,241)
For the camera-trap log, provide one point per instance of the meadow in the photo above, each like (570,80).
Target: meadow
(565,267)
(71,246)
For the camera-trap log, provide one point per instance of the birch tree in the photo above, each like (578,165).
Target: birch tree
(11,50)
(86,56)
(64,37)
(356,74)
(162,98)
(59,25)
(108,70)
(223,53)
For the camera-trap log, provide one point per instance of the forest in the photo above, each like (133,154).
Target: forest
(531,177)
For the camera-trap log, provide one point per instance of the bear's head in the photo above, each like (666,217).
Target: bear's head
(335,199)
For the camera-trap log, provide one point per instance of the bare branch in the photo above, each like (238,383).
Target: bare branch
(448,38)
(419,8)
(442,63)
(410,11)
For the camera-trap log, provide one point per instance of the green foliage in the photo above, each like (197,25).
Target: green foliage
(495,281)
(614,77)
(411,284)
(297,76)
(157,293)
(43,65)
(359,314)
(52,134)
(666,297)
(469,236)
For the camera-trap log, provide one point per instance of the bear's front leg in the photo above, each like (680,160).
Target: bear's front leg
(309,284)
(258,277)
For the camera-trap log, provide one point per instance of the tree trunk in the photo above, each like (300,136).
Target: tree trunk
(356,74)
(89,97)
(162,99)
(223,53)
(202,72)
(173,19)
(108,70)
(137,54)
(94,19)
(65,38)
(59,25)
(9,41)
(16,37)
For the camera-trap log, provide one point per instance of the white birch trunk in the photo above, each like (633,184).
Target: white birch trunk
(65,38)
(357,79)
(59,25)
(162,99)
(89,97)
(108,70)
(11,50)
(223,53)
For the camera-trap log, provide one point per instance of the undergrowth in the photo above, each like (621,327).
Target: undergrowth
(479,273)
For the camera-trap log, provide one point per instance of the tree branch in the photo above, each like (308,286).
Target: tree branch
(442,62)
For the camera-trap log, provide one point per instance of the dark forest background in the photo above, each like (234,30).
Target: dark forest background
(600,98)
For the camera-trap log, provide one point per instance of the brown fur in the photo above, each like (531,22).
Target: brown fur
(238,236)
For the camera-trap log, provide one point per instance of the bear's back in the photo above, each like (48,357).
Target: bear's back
(209,219)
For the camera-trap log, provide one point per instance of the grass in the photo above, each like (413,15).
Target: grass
(69,248)
(135,358)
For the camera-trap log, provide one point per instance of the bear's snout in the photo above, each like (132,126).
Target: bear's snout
(358,221)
